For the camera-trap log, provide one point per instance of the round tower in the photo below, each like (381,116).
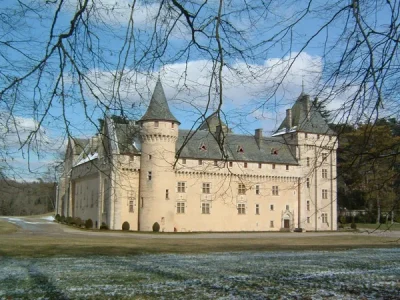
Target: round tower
(159,133)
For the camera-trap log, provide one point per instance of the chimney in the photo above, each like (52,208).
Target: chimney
(258,135)
(289,119)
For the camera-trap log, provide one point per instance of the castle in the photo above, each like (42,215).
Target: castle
(149,171)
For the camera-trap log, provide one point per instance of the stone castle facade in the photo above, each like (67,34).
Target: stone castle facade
(206,180)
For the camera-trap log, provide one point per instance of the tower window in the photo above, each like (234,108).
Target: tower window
(200,162)
(183,161)
(308,161)
(287,167)
(181,187)
(245,164)
(241,189)
(156,124)
(308,183)
(308,205)
(271,207)
(167,194)
(206,188)
(324,173)
(259,165)
(273,166)
(172,125)
(131,206)
(230,164)
(149,175)
(257,209)
(257,189)
(275,190)
(324,194)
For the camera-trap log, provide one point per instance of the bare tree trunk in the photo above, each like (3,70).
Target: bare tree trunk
(378,209)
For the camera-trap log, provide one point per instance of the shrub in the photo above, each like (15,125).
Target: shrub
(156,227)
(78,222)
(103,226)
(89,224)
(353,225)
(125,226)
(69,220)
(62,219)
(57,217)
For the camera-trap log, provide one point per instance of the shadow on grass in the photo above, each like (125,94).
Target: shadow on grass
(44,284)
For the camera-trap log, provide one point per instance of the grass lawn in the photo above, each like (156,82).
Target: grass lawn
(394,227)
(23,245)
(6,227)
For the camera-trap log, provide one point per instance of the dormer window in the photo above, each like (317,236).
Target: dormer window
(240,149)
(274,151)
(203,147)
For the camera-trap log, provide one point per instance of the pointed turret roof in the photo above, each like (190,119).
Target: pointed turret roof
(306,117)
(158,109)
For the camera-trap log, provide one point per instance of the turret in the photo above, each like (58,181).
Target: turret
(159,133)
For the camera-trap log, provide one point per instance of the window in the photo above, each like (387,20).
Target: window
(241,209)
(257,189)
(273,166)
(257,209)
(172,125)
(271,224)
(180,207)
(287,167)
(245,164)
(308,205)
(324,173)
(308,220)
(216,163)
(142,202)
(230,164)
(275,190)
(167,194)
(150,156)
(308,183)
(324,194)
(308,161)
(324,156)
(156,124)
(259,165)
(149,175)
(131,206)
(241,189)
(317,136)
(306,135)
(131,158)
(324,218)
(206,187)
(205,208)
(287,207)
(183,161)
(200,162)
(271,207)
(181,187)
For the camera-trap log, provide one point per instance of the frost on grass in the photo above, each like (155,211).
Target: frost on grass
(362,273)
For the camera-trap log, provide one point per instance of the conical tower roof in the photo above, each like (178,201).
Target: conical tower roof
(158,109)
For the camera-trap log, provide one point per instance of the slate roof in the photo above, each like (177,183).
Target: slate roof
(80,144)
(211,123)
(251,151)
(314,124)
(158,109)
(128,138)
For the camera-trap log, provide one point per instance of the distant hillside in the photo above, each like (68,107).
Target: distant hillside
(26,198)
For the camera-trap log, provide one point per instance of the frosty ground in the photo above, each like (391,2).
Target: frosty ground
(358,273)
(40,259)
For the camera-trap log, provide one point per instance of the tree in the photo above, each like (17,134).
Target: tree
(368,163)
(92,56)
